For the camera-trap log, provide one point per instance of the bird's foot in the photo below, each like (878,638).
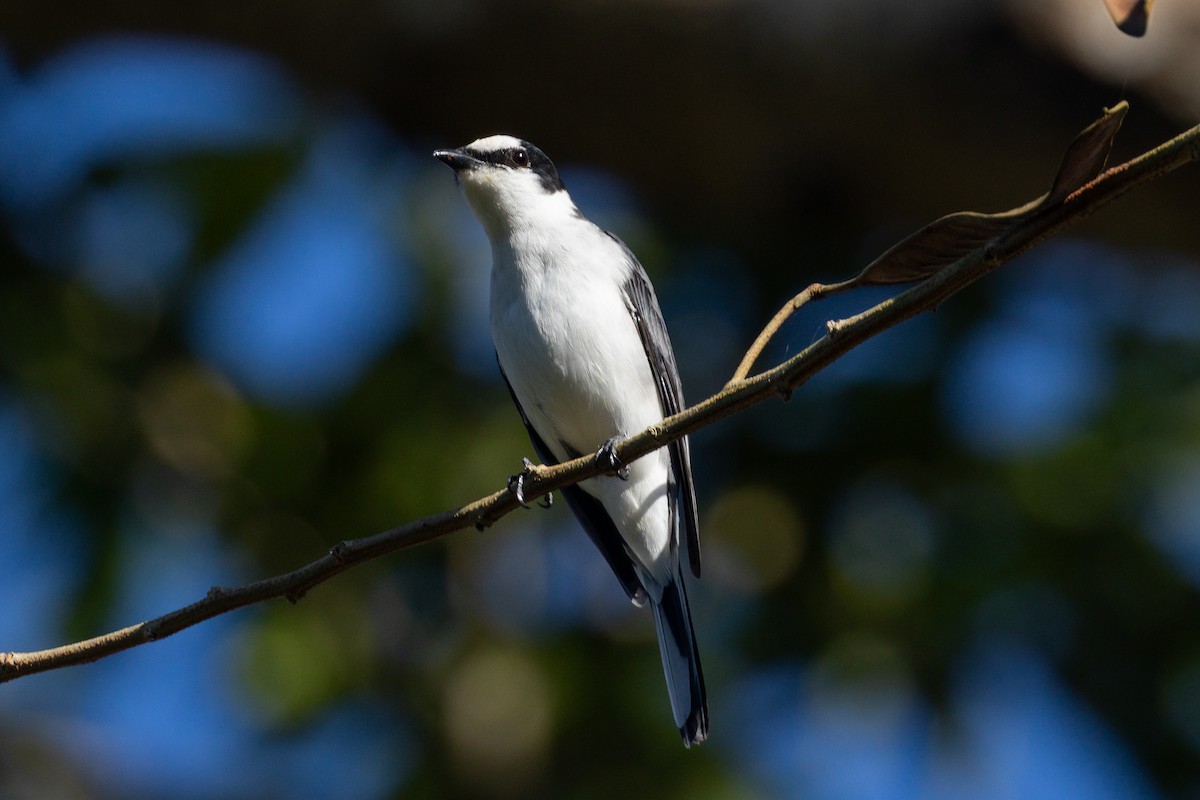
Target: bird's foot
(516,485)
(607,458)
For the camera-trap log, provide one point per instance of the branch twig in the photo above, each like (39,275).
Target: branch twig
(815,291)
(740,393)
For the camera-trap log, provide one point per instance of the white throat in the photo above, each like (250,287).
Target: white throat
(507,202)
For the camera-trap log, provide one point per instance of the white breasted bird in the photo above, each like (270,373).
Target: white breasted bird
(583,348)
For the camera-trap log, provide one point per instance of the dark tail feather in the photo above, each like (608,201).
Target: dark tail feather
(681,662)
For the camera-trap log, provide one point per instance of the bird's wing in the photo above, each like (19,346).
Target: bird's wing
(643,306)
(589,511)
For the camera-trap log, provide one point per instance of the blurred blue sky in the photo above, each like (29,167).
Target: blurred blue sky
(132,98)
(1013,731)
(312,294)
(323,282)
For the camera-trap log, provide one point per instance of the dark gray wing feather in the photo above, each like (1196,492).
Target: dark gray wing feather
(643,306)
(589,511)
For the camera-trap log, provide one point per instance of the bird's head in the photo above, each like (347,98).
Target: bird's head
(507,181)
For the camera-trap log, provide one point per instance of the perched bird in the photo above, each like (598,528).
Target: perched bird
(584,350)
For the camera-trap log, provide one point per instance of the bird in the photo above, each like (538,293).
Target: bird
(583,348)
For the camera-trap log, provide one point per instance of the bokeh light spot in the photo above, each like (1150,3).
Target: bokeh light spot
(754,539)
(881,538)
(498,719)
(1172,516)
(193,420)
(1016,387)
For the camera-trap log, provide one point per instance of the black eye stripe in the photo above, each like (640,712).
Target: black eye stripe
(510,157)
(535,160)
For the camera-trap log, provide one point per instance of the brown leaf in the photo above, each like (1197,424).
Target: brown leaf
(943,241)
(1087,154)
(1131,16)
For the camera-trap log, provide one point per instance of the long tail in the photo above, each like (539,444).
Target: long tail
(681,661)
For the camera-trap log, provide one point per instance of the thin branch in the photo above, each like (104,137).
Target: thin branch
(815,291)
(842,336)
(941,243)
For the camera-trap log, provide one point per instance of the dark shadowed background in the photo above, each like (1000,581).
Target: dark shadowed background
(243,317)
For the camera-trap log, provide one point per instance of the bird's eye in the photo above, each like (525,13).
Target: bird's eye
(520,157)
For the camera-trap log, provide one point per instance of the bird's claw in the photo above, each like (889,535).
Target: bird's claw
(607,458)
(516,485)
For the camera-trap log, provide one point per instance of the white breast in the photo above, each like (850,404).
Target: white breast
(571,351)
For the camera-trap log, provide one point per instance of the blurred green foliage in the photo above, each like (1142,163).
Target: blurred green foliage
(864,539)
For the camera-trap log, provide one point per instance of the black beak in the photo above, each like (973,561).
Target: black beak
(456,159)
